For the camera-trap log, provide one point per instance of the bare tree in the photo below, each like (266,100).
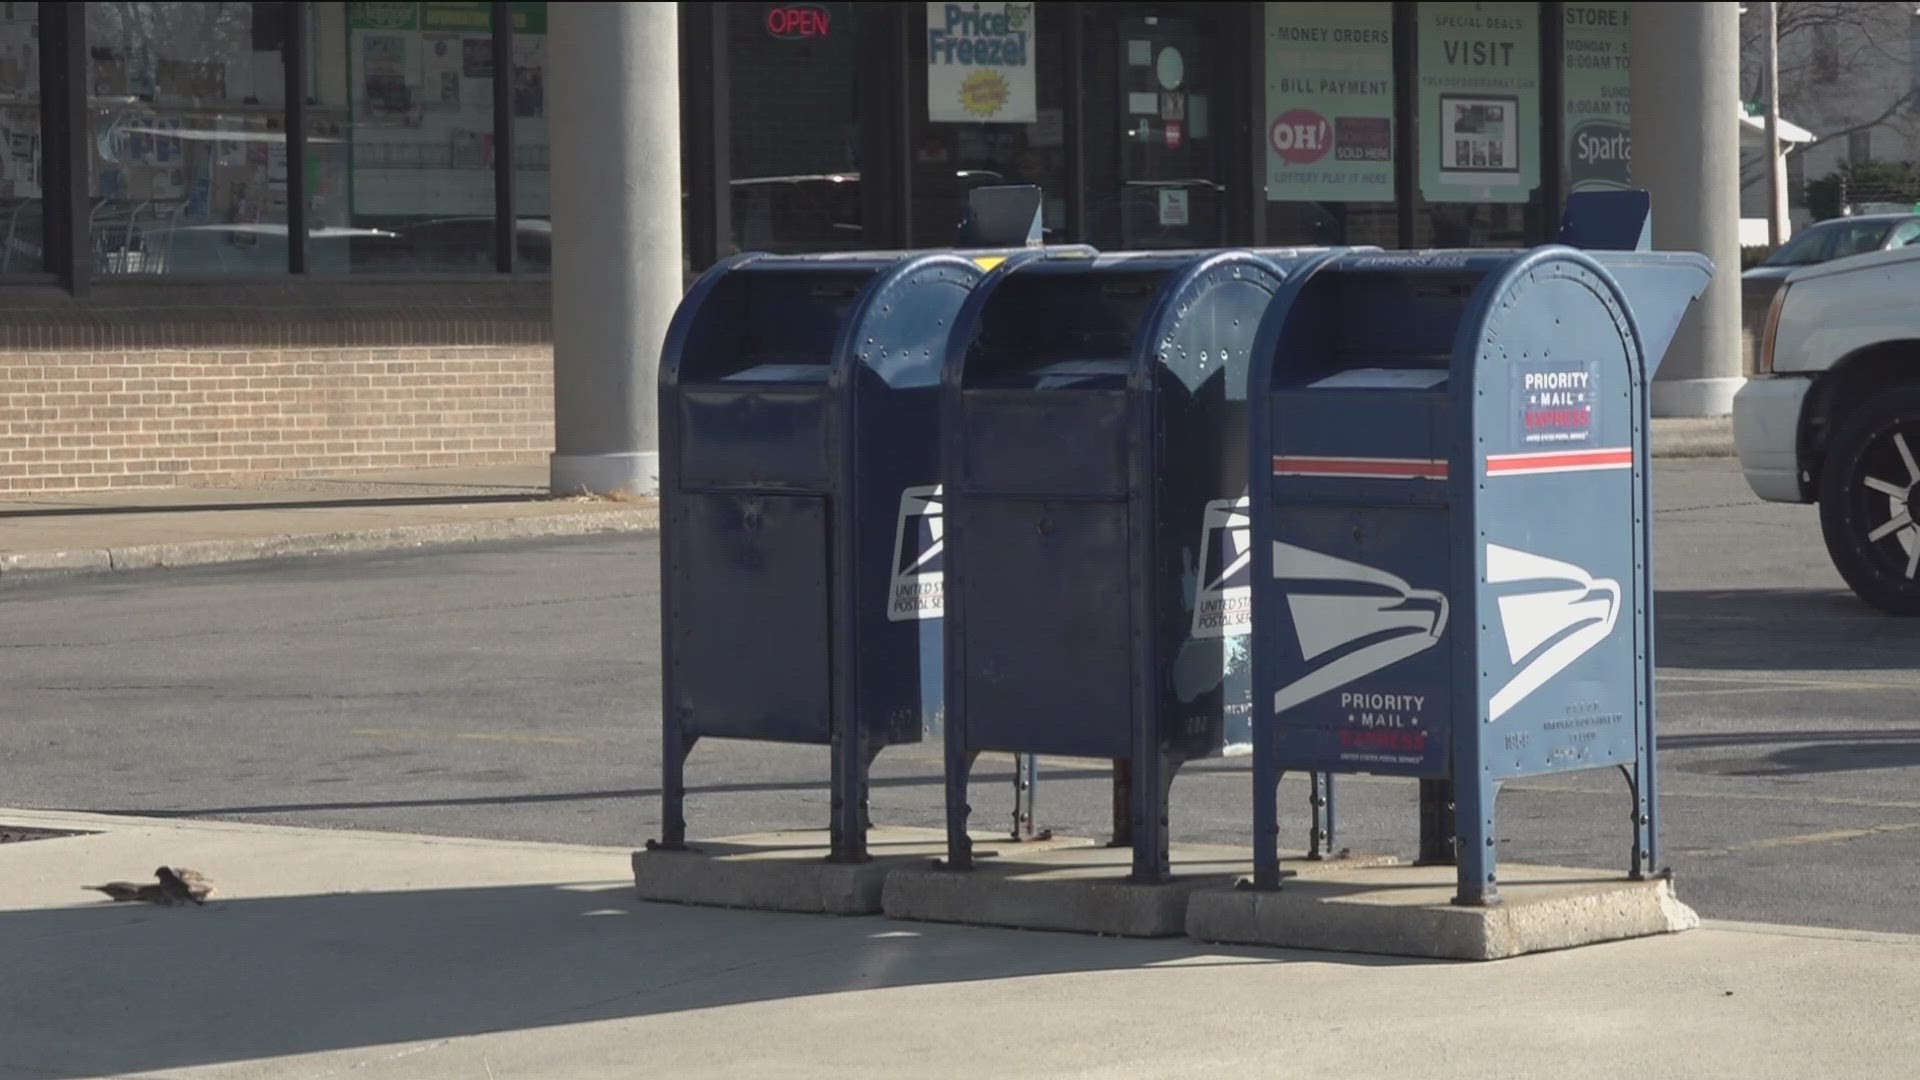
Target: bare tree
(1828,44)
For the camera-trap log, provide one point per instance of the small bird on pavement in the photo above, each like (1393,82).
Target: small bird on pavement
(174,885)
(184,884)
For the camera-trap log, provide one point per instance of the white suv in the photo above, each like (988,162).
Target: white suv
(1831,414)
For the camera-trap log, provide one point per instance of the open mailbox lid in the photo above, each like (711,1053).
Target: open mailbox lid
(799,319)
(1097,324)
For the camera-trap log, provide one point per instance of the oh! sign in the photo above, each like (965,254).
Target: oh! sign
(798,22)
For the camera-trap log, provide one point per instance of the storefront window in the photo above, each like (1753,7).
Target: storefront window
(1329,124)
(187,153)
(530,140)
(400,142)
(1598,113)
(794,145)
(1479,126)
(1153,138)
(20,205)
(988,99)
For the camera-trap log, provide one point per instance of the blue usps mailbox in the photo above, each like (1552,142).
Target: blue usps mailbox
(801,525)
(1451,577)
(1096,534)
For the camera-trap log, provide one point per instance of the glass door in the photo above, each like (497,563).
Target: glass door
(1153,138)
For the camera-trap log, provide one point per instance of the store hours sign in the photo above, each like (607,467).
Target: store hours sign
(980,64)
(1598,100)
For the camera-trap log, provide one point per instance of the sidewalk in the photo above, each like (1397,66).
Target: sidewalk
(196,526)
(193,526)
(334,953)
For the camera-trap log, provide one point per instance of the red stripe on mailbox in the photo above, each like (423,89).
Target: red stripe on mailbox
(1362,468)
(1619,457)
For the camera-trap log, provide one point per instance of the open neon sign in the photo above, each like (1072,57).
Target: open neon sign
(798,22)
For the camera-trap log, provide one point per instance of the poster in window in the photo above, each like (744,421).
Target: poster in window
(1598,116)
(478,56)
(441,62)
(1329,102)
(529,77)
(980,65)
(385,88)
(1479,138)
(1175,208)
(1480,115)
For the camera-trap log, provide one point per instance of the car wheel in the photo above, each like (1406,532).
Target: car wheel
(1870,501)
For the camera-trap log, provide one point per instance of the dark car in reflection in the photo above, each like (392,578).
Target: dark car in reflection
(822,211)
(454,245)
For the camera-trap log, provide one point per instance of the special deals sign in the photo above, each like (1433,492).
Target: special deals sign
(980,64)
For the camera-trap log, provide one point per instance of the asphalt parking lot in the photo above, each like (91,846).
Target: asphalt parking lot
(513,692)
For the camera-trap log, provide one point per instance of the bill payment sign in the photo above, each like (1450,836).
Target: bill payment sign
(980,64)
(1329,102)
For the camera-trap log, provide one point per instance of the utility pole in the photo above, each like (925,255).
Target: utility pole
(1776,161)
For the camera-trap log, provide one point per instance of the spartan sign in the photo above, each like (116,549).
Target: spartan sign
(1223,607)
(919,557)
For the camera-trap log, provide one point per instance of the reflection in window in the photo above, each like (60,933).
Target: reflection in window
(400,135)
(1477,127)
(533,228)
(1153,165)
(187,157)
(793,139)
(1329,168)
(20,222)
(955,150)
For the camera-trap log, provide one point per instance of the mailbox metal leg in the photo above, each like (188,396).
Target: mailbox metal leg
(959,768)
(866,788)
(1152,791)
(1026,787)
(1637,775)
(849,823)
(1266,811)
(1320,837)
(1333,832)
(1477,856)
(1122,804)
(1436,824)
(673,789)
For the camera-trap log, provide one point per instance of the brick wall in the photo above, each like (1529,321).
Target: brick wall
(153,384)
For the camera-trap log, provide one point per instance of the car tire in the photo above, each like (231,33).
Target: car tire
(1870,501)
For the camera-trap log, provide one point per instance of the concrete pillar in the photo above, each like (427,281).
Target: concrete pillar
(614,86)
(1686,153)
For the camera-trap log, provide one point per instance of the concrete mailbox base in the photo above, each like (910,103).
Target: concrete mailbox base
(1079,889)
(788,871)
(1407,911)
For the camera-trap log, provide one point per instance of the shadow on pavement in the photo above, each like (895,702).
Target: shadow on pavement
(105,989)
(1802,752)
(741,788)
(1780,630)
